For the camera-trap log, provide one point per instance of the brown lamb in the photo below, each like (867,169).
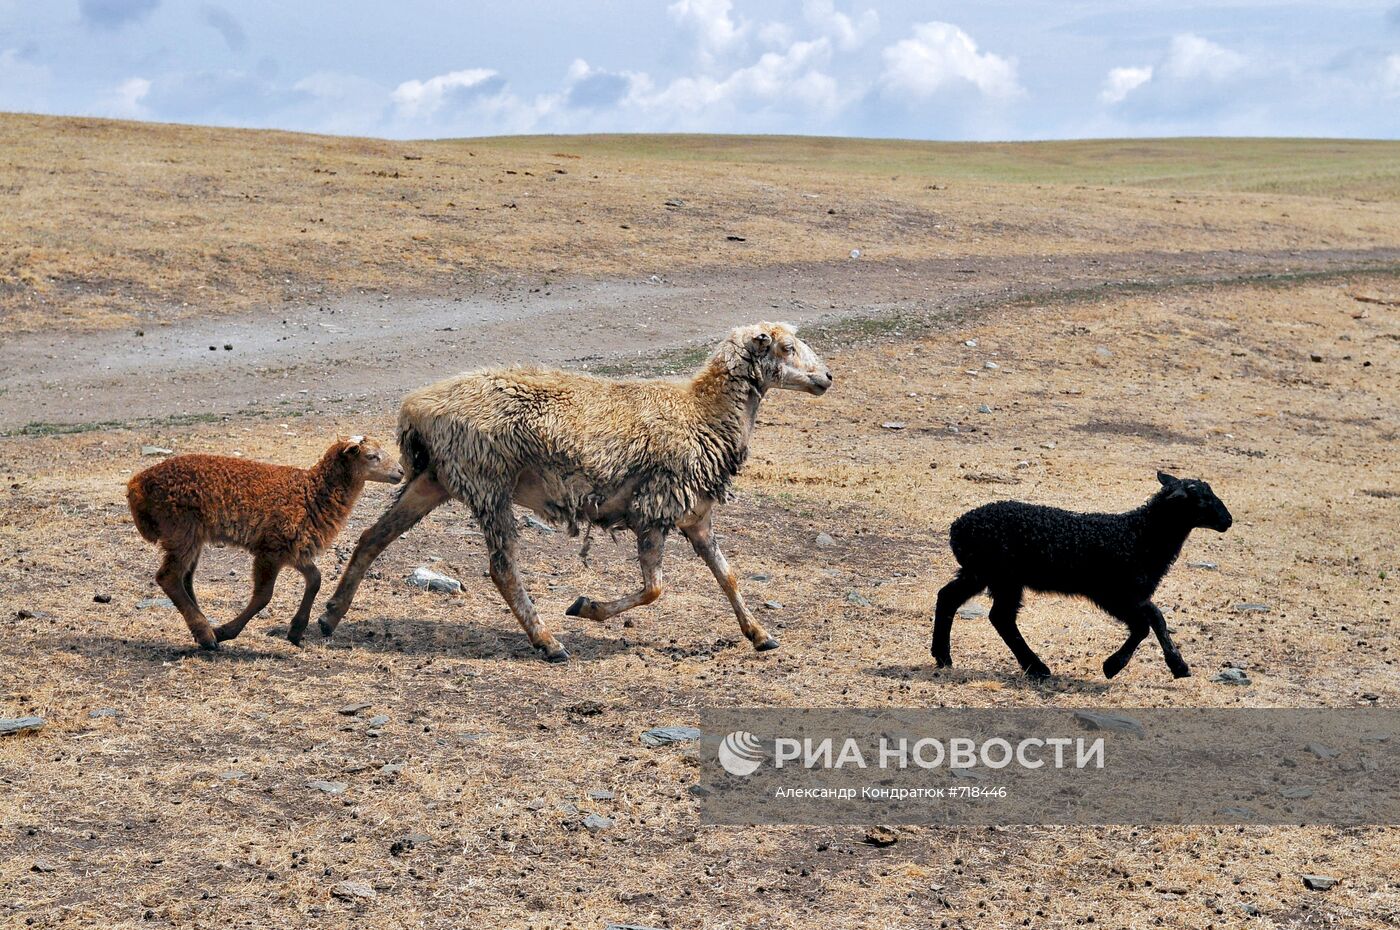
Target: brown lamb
(284,516)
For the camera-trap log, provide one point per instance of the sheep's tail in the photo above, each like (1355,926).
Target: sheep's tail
(140,512)
(414,455)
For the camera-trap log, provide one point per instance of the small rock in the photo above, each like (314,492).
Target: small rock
(760,576)
(104,712)
(536,523)
(595,822)
(855,253)
(329,787)
(990,366)
(856,599)
(1316,357)
(1048,445)
(984,408)
(772,605)
(42,865)
(232,775)
(824,541)
(429,580)
(146,603)
(12,725)
(1249,909)
(538,804)
(1098,720)
(102,598)
(893,425)
(1252,608)
(1231,676)
(1297,793)
(1204,566)
(156,450)
(350,710)
(664,736)
(1322,752)
(392,768)
(1318,882)
(970,343)
(881,836)
(972,612)
(353,891)
(601,794)
(1103,351)
(378,720)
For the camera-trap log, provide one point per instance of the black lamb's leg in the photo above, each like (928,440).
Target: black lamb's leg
(1175,662)
(1006,602)
(953,595)
(1138,627)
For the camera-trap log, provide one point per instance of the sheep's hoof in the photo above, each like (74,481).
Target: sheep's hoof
(943,661)
(1109,669)
(1038,672)
(769,643)
(327,629)
(1182,672)
(556,653)
(212,646)
(577,608)
(294,640)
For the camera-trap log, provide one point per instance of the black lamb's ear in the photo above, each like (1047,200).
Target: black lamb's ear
(1167,480)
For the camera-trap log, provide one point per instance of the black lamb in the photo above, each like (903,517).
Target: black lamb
(1115,560)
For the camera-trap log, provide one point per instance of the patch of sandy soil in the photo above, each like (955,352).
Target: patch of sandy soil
(191,807)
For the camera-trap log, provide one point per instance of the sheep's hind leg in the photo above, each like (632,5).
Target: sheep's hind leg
(498,525)
(171,578)
(264,578)
(312,575)
(1175,662)
(651,546)
(703,542)
(953,595)
(1006,603)
(1138,628)
(418,499)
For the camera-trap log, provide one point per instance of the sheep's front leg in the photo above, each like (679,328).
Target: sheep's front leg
(651,546)
(702,540)
(498,526)
(297,630)
(418,499)
(1175,662)
(264,578)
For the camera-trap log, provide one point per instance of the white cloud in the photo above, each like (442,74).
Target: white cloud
(847,33)
(710,19)
(125,100)
(793,76)
(415,99)
(1390,76)
(1191,57)
(1121,82)
(941,54)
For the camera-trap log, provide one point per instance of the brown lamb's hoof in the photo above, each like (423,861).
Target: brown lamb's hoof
(294,640)
(210,646)
(577,608)
(326,629)
(769,643)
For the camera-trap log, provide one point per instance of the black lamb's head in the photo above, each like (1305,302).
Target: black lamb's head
(1193,499)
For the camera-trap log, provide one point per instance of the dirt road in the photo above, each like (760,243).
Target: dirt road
(360,353)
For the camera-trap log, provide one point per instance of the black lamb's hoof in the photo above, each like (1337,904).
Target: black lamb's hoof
(556,655)
(1182,672)
(1038,672)
(769,643)
(942,661)
(1110,669)
(577,608)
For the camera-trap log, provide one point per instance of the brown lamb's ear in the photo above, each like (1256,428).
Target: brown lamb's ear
(352,446)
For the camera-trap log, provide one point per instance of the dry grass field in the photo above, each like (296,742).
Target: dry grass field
(187,804)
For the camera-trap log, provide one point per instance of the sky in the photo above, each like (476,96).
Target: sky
(885,68)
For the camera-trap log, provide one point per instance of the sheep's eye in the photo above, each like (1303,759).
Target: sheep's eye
(788,347)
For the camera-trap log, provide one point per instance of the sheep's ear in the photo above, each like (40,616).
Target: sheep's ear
(762,341)
(1167,480)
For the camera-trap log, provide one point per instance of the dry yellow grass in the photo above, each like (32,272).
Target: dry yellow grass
(106,222)
(144,826)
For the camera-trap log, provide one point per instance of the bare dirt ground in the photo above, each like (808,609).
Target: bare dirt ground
(190,805)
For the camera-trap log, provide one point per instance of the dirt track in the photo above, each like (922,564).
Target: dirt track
(365,352)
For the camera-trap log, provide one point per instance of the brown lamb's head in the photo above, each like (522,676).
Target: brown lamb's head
(366,454)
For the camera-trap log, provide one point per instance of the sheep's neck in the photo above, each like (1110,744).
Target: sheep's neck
(1162,534)
(730,403)
(332,487)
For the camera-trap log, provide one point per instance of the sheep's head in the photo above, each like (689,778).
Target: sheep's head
(369,455)
(771,355)
(1194,499)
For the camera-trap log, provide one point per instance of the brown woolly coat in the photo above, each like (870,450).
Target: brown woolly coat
(289,515)
(581,449)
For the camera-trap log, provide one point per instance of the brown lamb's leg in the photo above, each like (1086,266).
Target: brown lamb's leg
(702,540)
(171,578)
(418,499)
(651,546)
(264,578)
(312,575)
(498,526)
